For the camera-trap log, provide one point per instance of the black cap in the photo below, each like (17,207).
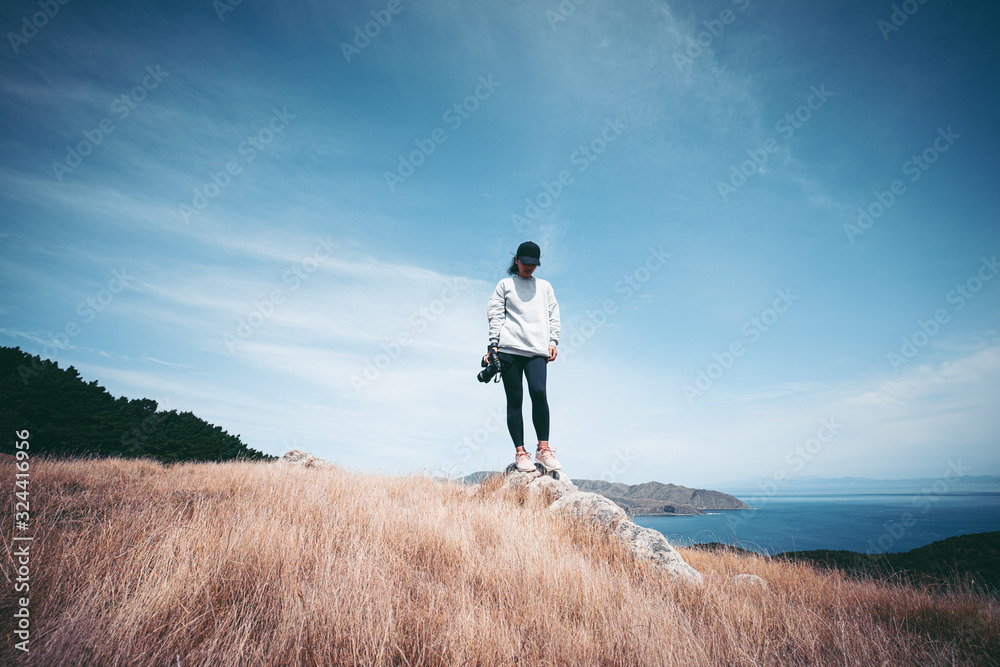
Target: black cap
(529,253)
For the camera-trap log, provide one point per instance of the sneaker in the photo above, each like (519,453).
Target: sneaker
(545,457)
(524,463)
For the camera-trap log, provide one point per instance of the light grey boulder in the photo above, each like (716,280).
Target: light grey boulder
(537,483)
(305,459)
(559,487)
(593,506)
(518,479)
(570,501)
(651,544)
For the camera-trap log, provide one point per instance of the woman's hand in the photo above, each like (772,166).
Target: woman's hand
(552,352)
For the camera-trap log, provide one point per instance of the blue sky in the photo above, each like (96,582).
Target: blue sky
(224,208)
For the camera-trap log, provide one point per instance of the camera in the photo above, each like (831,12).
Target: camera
(491,362)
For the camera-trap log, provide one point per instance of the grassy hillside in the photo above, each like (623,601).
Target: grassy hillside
(253,563)
(965,561)
(975,557)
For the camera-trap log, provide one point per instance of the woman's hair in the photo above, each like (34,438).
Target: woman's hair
(512,269)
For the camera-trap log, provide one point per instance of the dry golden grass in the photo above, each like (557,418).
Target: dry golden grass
(135,563)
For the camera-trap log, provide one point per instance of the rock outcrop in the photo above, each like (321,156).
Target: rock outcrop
(304,459)
(652,544)
(569,501)
(591,506)
(535,482)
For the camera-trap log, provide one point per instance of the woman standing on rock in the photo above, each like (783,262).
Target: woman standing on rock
(524,330)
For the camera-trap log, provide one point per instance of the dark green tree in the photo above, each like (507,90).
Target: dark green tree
(70,417)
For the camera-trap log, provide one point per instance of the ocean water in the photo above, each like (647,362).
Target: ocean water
(850,520)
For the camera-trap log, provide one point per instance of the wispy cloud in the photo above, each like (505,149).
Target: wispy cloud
(244,316)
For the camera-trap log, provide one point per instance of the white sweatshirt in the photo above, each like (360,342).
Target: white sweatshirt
(524,316)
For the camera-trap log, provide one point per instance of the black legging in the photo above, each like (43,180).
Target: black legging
(514,366)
